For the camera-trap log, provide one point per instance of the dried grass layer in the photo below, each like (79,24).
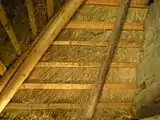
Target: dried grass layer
(83,54)
(101,114)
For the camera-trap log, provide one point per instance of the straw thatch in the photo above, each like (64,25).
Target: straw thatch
(84,54)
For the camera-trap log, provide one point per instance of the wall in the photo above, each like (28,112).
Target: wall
(149,69)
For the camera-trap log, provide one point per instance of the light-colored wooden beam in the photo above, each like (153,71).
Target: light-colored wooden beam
(65,106)
(2,68)
(9,30)
(75,24)
(32,19)
(52,31)
(84,65)
(116,3)
(50,8)
(76,86)
(95,43)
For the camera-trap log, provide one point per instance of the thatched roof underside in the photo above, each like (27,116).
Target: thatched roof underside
(82,54)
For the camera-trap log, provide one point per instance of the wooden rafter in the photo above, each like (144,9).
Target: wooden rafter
(114,37)
(84,65)
(54,28)
(76,86)
(66,106)
(102,25)
(95,43)
(116,3)
(50,8)
(2,68)
(8,28)
(30,10)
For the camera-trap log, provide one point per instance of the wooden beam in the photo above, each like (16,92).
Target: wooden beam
(114,37)
(30,10)
(84,65)
(50,8)
(95,43)
(102,25)
(9,30)
(56,25)
(116,3)
(76,86)
(2,68)
(65,106)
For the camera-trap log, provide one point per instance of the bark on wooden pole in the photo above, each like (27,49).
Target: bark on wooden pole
(39,49)
(100,81)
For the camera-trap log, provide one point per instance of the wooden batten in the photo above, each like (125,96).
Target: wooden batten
(65,106)
(9,30)
(134,3)
(76,86)
(30,10)
(78,24)
(2,68)
(50,8)
(94,43)
(50,33)
(84,65)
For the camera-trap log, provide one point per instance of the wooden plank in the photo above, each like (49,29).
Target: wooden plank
(50,8)
(2,68)
(116,3)
(55,26)
(76,86)
(84,65)
(9,30)
(114,37)
(95,43)
(65,106)
(102,25)
(32,19)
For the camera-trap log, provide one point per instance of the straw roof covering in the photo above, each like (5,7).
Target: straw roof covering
(82,54)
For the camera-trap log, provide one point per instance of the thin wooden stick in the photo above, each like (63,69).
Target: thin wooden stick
(100,81)
(2,68)
(44,106)
(30,10)
(50,8)
(95,43)
(134,3)
(76,86)
(84,65)
(8,28)
(75,24)
(39,49)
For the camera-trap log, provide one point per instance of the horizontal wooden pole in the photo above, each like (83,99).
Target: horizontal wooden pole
(65,106)
(76,86)
(95,43)
(84,65)
(102,25)
(116,3)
